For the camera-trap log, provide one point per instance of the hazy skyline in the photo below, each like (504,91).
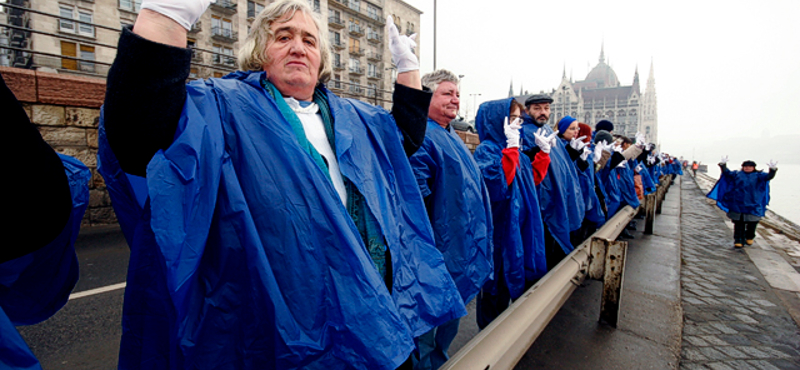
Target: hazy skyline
(722,70)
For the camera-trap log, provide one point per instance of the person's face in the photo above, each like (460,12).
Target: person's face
(748,169)
(572,131)
(444,104)
(294,56)
(540,112)
(625,146)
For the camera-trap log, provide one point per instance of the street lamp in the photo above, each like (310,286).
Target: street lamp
(459,87)
(473,104)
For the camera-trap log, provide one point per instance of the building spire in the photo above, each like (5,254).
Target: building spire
(511,88)
(651,77)
(602,52)
(564,72)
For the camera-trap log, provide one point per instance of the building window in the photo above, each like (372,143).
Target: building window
(253,9)
(314,4)
(354,4)
(373,12)
(130,5)
(193,73)
(70,12)
(355,87)
(372,70)
(223,55)
(84,52)
(222,27)
(355,64)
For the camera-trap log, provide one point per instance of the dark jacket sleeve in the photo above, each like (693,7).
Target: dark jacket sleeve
(40,206)
(616,159)
(410,112)
(771,174)
(573,153)
(145,93)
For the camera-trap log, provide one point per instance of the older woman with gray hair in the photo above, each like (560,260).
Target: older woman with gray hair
(283,226)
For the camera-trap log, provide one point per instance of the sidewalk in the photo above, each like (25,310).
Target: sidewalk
(733,317)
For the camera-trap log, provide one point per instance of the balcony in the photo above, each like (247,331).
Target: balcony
(197,56)
(335,85)
(356,70)
(375,56)
(335,22)
(337,65)
(337,44)
(197,27)
(376,16)
(374,36)
(355,90)
(375,75)
(356,30)
(354,5)
(224,6)
(340,3)
(224,60)
(224,34)
(356,51)
(371,93)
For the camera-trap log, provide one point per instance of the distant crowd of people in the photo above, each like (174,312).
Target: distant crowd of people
(275,225)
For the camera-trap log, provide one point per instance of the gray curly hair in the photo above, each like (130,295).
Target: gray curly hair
(253,53)
(433,79)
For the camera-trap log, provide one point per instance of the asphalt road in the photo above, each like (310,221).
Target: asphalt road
(85,333)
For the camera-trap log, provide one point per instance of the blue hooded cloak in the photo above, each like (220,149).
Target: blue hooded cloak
(740,192)
(35,286)
(594,210)
(560,198)
(243,255)
(519,252)
(611,185)
(458,206)
(627,186)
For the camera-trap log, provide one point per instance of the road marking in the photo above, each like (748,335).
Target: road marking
(104,289)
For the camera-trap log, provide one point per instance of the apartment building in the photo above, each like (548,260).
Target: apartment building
(80,37)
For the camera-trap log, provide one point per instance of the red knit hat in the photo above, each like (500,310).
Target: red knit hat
(585,130)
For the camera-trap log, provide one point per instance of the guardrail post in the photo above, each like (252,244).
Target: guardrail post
(613,278)
(649,212)
(597,262)
(660,198)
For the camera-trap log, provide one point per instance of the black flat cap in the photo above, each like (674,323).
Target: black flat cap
(538,99)
(748,163)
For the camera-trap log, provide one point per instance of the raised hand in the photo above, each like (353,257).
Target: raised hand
(577,143)
(724,160)
(185,12)
(512,132)
(585,154)
(773,165)
(402,48)
(553,139)
(598,150)
(542,141)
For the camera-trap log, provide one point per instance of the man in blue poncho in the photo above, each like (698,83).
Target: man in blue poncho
(519,251)
(37,274)
(283,226)
(458,206)
(560,198)
(744,196)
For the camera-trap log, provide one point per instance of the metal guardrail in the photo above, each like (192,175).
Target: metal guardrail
(503,343)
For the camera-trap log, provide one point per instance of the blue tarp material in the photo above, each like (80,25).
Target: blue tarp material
(518,228)
(740,192)
(611,185)
(647,181)
(35,286)
(245,257)
(458,206)
(594,211)
(627,186)
(560,195)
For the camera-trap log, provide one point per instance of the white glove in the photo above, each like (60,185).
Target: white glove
(640,139)
(402,48)
(577,143)
(185,12)
(622,164)
(553,139)
(512,132)
(618,148)
(598,150)
(585,153)
(724,160)
(639,168)
(651,159)
(542,141)
(773,165)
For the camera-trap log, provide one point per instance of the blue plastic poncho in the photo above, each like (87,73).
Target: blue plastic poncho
(560,195)
(740,192)
(458,206)
(647,181)
(627,186)
(518,229)
(35,286)
(611,185)
(244,256)
(594,210)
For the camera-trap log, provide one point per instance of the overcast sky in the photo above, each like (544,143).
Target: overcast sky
(722,69)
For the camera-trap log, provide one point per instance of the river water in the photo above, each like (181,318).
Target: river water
(784,189)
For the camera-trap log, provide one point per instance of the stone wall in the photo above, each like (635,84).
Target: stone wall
(470,139)
(66,110)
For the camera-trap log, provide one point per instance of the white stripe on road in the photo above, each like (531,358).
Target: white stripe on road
(104,289)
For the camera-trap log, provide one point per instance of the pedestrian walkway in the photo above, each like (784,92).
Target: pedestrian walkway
(733,319)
